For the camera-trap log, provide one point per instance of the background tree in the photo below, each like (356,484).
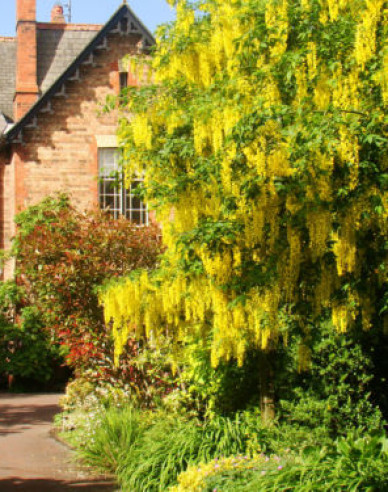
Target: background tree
(263,143)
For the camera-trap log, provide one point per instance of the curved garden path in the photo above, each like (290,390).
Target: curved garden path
(30,459)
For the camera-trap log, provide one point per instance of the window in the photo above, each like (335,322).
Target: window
(123,80)
(113,197)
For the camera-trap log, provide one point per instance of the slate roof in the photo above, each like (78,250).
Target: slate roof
(123,21)
(57,48)
(7,75)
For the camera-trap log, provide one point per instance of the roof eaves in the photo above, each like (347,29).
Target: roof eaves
(69,72)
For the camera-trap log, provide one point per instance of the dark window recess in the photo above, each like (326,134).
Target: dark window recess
(123,80)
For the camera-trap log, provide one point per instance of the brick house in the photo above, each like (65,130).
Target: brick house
(54,80)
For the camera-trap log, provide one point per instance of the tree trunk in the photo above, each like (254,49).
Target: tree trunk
(267,390)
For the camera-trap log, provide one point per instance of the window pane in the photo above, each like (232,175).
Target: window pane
(136,216)
(107,161)
(136,203)
(109,187)
(109,202)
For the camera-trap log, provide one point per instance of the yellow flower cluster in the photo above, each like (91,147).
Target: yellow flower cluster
(142,131)
(383,76)
(324,290)
(322,94)
(276,19)
(346,90)
(345,248)
(366,31)
(139,307)
(312,60)
(319,224)
(193,479)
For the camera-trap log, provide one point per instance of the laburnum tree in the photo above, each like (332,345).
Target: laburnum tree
(263,141)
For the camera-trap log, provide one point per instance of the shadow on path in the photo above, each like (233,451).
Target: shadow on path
(51,485)
(24,417)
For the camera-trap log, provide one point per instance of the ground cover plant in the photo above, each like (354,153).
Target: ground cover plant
(356,463)
(147,450)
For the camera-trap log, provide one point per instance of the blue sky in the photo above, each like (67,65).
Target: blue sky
(151,12)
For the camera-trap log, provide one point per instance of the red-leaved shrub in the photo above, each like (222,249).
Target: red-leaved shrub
(62,256)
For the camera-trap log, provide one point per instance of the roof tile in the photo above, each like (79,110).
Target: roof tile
(57,48)
(7,75)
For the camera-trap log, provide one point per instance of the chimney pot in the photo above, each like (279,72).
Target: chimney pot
(57,14)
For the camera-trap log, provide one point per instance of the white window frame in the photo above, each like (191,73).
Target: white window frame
(112,195)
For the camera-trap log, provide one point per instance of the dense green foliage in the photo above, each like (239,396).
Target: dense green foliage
(335,395)
(149,450)
(28,354)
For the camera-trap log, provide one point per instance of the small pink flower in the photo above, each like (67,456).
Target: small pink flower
(280,467)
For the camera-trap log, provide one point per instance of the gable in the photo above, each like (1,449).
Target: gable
(124,22)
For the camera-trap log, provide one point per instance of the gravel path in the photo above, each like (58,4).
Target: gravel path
(30,459)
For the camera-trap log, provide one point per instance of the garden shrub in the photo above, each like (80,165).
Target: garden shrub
(334,395)
(62,256)
(196,477)
(85,394)
(27,352)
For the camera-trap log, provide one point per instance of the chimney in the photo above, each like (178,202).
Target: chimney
(57,14)
(27,90)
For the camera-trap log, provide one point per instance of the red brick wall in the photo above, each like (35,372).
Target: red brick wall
(7,202)
(61,153)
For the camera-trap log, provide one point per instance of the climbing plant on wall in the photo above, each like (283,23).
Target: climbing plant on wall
(262,138)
